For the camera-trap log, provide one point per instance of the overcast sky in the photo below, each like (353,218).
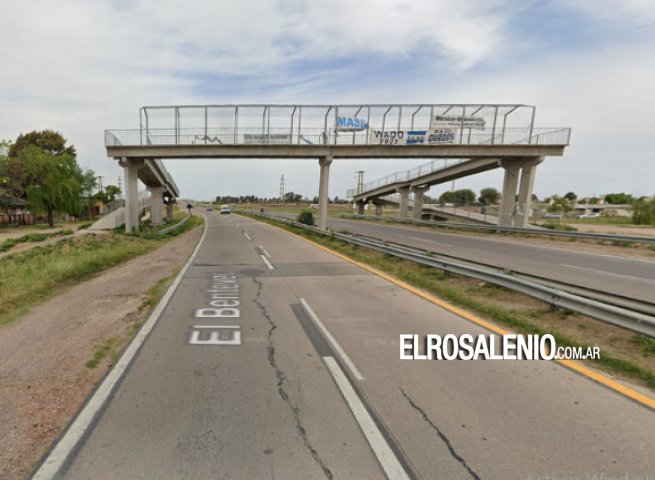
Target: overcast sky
(81,67)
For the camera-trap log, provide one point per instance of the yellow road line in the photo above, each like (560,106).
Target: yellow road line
(576,367)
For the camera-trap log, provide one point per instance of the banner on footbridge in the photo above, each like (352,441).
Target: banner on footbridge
(412,137)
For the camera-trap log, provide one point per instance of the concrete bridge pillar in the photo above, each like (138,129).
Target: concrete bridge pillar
(156,205)
(505,217)
(323,186)
(417,211)
(528,172)
(131,169)
(404,201)
(378,209)
(360,207)
(169,211)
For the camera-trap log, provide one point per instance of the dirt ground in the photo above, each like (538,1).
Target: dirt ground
(7,232)
(641,231)
(43,374)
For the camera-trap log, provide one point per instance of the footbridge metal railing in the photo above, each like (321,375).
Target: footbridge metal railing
(404,176)
(368,124)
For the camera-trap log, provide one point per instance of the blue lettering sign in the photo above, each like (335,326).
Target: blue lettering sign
(350,123)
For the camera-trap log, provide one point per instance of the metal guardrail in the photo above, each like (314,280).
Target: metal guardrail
(552,295)
(166,230)
(526,231)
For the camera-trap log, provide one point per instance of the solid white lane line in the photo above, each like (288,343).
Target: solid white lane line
(247,236)
(58,456)
(604,272)
(268,264)
(333,342)
(380,447)
(265,252)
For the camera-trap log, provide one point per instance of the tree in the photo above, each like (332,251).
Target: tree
(619,198)
(643,211)
(458,197)
(489,196)
(464,196)
(559,205)
(54,181)
(88,182)
(446,197)
(47,140)
(571,197)
(112,192)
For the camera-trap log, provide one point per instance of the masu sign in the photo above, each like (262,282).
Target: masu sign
(351,124)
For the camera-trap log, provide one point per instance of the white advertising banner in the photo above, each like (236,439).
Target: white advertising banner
(441,121)
(412,137)
(266,138)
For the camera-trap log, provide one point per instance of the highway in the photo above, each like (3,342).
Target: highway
(303,380)
(621,275)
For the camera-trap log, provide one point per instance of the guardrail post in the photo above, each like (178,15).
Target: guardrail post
(323,186)
(510,183)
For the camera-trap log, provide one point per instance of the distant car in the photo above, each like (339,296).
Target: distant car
(553,215)
(589,215)
(313,205)
(210,209)
(225,209)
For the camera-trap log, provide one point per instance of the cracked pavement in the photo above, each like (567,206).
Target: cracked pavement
(270,408)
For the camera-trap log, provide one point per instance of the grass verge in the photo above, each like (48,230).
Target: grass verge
(30,277)
(32,237)
(622,352)
(111,348)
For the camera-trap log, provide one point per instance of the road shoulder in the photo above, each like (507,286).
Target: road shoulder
(44,376)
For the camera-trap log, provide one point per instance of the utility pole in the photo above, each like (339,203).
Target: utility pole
(100,177)
(282,189)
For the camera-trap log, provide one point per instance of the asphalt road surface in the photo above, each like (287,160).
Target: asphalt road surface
(620,275)
(306,382)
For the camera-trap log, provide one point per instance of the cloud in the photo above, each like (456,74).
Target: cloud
(81,67)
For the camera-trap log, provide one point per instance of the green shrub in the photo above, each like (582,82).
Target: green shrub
(306,217)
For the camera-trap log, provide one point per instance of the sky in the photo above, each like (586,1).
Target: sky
(83,66)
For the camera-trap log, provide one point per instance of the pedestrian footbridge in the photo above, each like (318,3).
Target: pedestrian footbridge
(486,135)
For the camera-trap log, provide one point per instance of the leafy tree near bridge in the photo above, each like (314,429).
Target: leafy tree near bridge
(47,140)
(489,196)
(54,181)
(643,211)
(110,194)
(88,183)
(463,196)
